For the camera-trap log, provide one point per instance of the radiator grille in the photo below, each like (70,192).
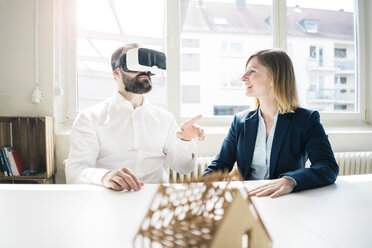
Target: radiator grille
(202,163)
(354,163)
(350,163)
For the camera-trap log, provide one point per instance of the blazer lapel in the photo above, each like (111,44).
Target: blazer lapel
(281,130)
(250,131)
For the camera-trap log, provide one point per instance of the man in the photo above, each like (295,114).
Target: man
(126,141)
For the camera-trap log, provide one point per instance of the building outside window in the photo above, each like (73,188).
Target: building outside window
(216,39)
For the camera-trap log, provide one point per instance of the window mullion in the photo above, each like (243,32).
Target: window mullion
(280,24)
(67,49)
(173,58)
(360,45)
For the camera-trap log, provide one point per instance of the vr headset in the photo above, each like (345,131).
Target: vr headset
(141,59)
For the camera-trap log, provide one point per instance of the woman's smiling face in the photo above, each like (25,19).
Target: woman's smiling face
(256,79)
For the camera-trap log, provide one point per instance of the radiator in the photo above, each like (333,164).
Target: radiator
(354,163)
(350,163)
(201,164)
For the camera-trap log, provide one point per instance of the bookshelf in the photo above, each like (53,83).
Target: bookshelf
(34,138)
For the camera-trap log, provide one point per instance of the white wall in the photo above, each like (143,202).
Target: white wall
(17,49)
(17,77)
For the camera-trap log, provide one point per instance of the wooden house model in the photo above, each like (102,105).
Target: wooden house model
(202,214)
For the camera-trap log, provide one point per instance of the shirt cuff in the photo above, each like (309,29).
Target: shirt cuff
(185,156)
(188,146)
(295,183)
(94,175)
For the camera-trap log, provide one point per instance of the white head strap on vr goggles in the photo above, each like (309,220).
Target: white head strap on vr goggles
(141,59)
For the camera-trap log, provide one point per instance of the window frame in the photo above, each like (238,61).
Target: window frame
(279,9)
(66,48)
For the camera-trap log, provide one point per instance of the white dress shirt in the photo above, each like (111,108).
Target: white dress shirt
(262,150)
(112,135)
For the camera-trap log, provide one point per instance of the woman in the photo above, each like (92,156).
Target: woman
(275,140)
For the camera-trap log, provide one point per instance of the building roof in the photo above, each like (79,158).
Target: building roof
(220,17)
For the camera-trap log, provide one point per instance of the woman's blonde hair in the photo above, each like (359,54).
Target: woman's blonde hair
(280,68)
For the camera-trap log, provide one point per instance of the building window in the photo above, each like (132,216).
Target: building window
(269,23)
(232,47)
(342,80)
(340,52)
(313,52)
(313,83)
(310,25)
(236,47)
(229,110)
(191,43)
(327,59)
(340,107)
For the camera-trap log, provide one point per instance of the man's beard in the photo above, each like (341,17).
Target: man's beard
(136,85)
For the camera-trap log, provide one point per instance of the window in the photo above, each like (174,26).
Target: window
(227,36)
(101,29)
(193,43)
(341,60)
(236,47)
(312,83)
(214,38)
(229,110)
(231,48)
(340,52)
(269,22)
(340,107)
(323,44)
(309,25)
(313,52)
(342,80)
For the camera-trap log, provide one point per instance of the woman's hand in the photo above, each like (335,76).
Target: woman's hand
(189,130)
(275,188)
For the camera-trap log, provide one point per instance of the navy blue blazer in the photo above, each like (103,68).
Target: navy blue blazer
(298,136)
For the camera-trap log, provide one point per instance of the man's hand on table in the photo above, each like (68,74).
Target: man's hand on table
(119,180)
(275,188)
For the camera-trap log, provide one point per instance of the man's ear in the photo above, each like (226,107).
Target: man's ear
(116,73)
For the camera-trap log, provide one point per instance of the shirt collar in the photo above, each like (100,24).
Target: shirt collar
(260,116)
(121,101)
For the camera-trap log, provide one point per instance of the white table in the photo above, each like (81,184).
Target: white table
(339,215)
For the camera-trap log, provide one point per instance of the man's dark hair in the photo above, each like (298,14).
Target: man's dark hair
(115,55)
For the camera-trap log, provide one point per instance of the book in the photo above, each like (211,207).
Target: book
(11,162)
(18,161)
(3,152)
(4,167)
